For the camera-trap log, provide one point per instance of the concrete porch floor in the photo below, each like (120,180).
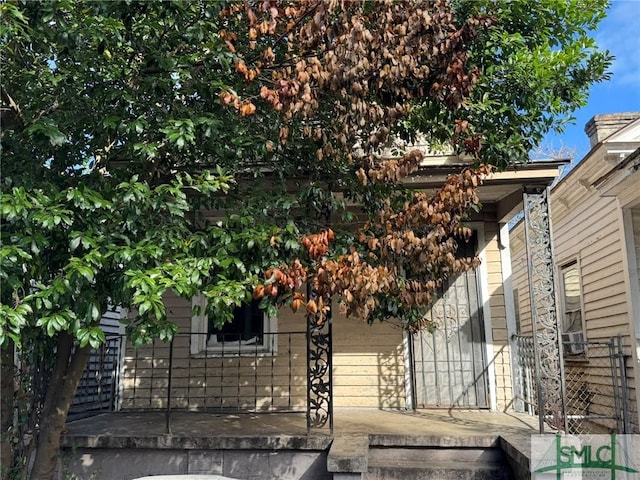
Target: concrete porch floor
(276,446)
(346,422)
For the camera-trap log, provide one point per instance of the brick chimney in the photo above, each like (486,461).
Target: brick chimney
(601,126)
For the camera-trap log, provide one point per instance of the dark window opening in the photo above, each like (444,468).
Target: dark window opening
(247,327)
(467,249)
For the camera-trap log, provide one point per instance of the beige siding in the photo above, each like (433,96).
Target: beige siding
(368,361)
(585,228)
(259,381)
(589,231)
(632,372)
(368,369)
(368,364)
(520,279)
(500,360)
(635,221)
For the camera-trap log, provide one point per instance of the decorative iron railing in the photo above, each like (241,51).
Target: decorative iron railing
(264,372)
(319,373)
(544,319)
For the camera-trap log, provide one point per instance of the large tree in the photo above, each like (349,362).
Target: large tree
(121,121)
(538,61)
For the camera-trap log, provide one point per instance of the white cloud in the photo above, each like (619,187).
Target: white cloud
(618,33)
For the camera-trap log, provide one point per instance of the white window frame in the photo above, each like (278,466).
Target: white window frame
(199,332)
(575,347)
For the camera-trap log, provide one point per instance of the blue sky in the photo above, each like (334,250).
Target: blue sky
(620,34)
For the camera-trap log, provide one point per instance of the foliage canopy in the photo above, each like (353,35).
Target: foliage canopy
(285,103)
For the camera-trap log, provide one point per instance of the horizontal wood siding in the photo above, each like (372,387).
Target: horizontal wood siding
(110,322)
(589,231)
(96,390)
(500,360)
(257,382)
(634,373)
(368,364)
(368,369)
(520,280)
(635,221)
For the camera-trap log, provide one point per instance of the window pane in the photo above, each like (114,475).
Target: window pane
(573,322)
(571,306)
(247,327)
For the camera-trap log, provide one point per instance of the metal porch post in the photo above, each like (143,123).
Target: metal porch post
(547,340)
(319,369)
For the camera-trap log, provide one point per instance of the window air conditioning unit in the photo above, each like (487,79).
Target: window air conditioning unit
(573,342)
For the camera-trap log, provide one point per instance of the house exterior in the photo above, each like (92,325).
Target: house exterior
(265,364)
(595,216)
(478,360)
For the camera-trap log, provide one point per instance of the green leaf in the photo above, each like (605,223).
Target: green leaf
(48,129)
(75,242)
(144,307)
(86,272)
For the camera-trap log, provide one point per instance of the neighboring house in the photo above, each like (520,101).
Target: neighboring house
(262,364)
(595,216)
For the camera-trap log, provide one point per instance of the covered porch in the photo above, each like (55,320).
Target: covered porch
(295,411)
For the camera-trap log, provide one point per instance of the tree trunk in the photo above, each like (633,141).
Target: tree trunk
(66,376)
(7,387)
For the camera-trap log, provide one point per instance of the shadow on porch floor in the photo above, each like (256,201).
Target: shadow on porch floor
(346,421)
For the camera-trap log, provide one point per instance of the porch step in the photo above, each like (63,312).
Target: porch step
(384,456)
(439,471)
(433,463)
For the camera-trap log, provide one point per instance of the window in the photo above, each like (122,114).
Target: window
(571,322)
(250,332)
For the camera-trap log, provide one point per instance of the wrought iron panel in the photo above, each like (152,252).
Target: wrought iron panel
(319,375)
(546,338)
